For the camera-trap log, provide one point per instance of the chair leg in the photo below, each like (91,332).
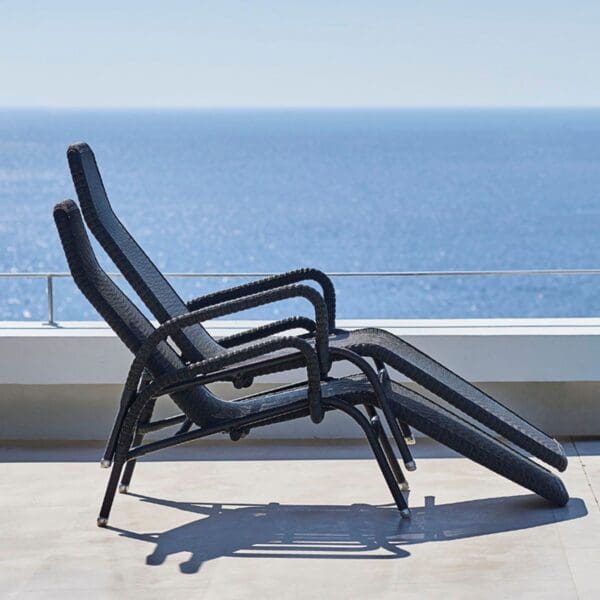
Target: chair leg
(129,467)
(145,417)
(406,432)
(407,457)
(109,450)
(404,427)
(387,449)
(109,495)
(379,381)
(395,426)
(111,444)
(373,440)
(387,472)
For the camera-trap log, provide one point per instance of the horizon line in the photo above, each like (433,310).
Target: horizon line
(303,107)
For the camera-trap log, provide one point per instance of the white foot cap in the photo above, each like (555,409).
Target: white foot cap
(123,489)
(404,487)
(105,463)
(102,522)
(410,465)
(405,514)
(410,440)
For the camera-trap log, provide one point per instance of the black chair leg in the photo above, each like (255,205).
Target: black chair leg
(409,461)
(406,432)
(386,470)
(404,428)
(109,495)
(129,467)
(387,449)
(396,426)
(145,417)
(379,381)
(380,457)
(109,451)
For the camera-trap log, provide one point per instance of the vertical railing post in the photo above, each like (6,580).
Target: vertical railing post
(50,295)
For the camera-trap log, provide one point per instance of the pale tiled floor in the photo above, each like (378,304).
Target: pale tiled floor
(259,521)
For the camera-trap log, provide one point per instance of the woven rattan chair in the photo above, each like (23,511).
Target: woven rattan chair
(159,370)
(330,342)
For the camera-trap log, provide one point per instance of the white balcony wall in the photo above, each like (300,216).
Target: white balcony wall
(64,382)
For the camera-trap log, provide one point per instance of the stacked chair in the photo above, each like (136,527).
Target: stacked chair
(179,358)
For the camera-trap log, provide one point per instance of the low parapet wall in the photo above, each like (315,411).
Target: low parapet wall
(64,382)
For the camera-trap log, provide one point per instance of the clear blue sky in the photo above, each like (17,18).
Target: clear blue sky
(302,53)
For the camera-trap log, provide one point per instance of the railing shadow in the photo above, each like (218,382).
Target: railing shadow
(358,531)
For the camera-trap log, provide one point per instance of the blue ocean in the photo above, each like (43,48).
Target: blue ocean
(341,190)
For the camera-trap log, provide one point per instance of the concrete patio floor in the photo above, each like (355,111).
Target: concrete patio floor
(291,520)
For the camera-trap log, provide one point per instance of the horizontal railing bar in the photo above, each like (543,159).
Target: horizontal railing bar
(50,276)
(500,273)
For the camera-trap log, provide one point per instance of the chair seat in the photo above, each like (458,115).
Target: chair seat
(426,416)
(441,381)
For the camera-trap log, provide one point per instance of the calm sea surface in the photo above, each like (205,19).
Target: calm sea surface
(222,191)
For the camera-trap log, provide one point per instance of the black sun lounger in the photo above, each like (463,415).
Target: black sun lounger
(331,343)
(158,370)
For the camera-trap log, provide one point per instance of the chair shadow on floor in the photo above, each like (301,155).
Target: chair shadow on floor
(357,531)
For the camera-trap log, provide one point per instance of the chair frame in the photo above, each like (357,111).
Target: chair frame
(382,347)
(241,357)
(140,392)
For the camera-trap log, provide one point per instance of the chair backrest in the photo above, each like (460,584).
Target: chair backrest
(142,274)
(126,320)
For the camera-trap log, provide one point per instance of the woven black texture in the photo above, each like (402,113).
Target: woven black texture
(132,327)
(165,304)
(425,416)
(206,410)
(145,278)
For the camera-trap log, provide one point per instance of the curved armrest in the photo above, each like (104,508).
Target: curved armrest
(270,283)
(228,359)
(172,326)
(267,330)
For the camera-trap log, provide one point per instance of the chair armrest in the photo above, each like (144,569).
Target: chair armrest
(230,358)
(267,330)
(270,283)
(176,324)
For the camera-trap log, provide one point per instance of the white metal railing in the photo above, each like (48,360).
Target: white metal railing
(50,277)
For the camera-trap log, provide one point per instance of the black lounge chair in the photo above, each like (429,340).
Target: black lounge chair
(158,370)
(331,343)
